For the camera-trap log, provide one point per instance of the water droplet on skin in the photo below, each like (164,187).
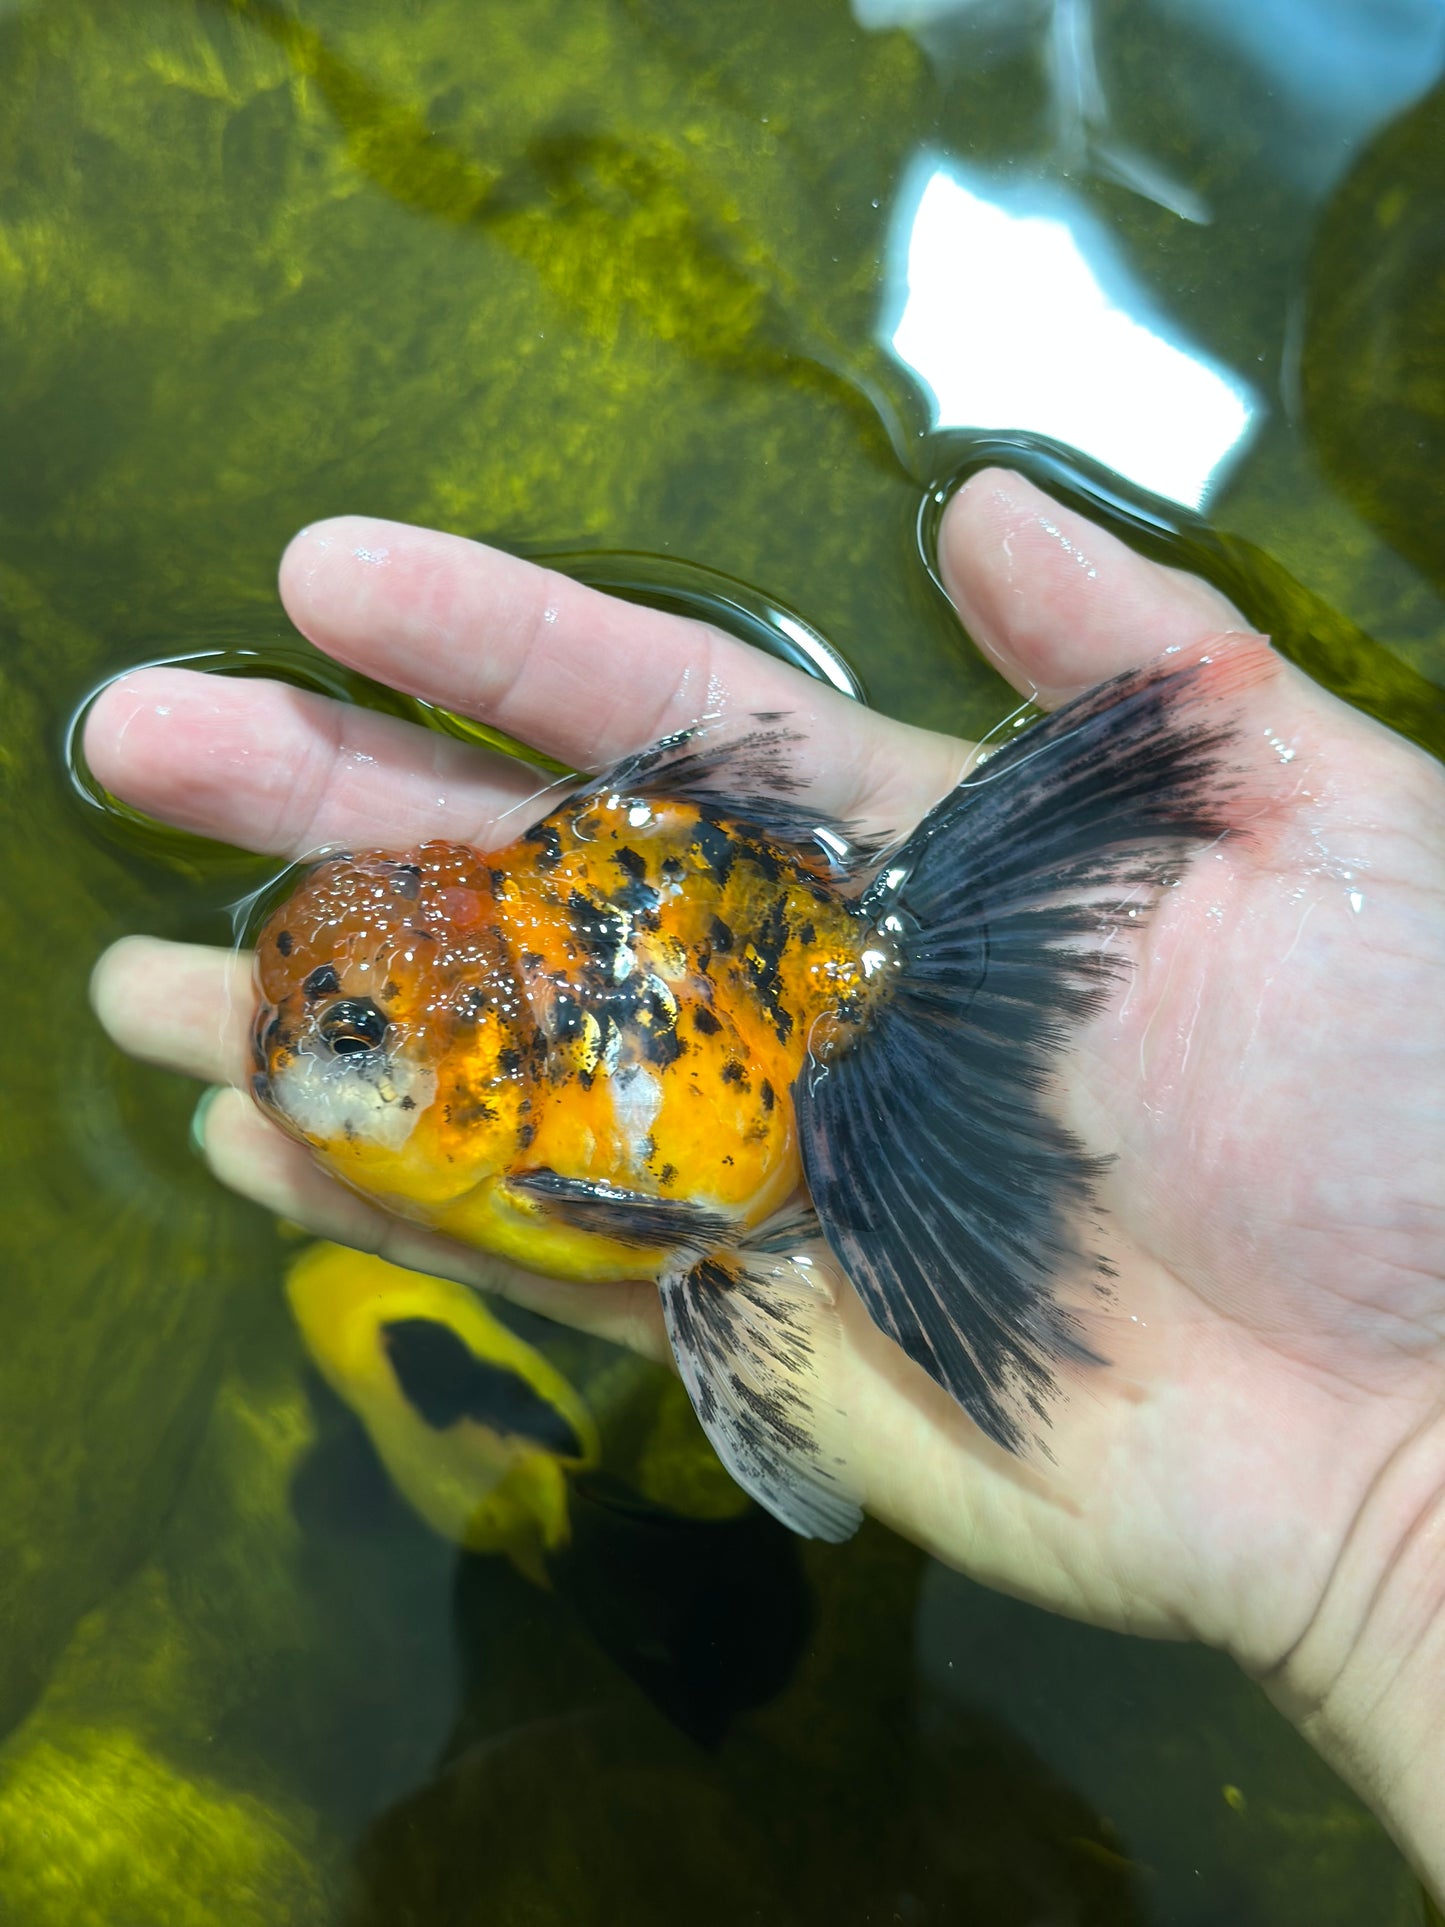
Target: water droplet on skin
(377,557)
(1357,901)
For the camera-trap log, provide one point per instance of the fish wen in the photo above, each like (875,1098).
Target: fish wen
(684,1029)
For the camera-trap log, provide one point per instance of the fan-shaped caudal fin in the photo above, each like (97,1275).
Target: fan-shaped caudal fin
(756,1334)
(954,1197)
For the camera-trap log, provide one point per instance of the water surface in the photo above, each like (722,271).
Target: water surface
(620,279)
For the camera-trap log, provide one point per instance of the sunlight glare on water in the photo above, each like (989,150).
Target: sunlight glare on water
(1022,316)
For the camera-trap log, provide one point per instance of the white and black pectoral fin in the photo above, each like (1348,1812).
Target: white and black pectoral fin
(757,1337)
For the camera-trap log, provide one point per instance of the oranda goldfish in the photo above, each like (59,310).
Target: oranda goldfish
(681,1028)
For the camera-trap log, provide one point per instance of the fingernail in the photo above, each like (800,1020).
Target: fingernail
(198,1120)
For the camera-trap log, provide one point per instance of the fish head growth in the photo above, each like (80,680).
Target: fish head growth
(391,1033)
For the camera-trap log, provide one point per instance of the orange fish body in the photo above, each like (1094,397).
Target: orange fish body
(682,1030)
(623,998)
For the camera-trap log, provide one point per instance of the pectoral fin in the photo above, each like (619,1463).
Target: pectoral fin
(756,1334)
(628,1217)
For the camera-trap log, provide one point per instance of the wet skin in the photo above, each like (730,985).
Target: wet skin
(1262,1464)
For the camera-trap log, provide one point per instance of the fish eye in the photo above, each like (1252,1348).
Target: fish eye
(352,1026)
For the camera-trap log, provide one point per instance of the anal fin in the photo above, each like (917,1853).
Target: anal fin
(756,1334)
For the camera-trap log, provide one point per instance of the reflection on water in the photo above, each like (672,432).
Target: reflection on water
(963,34)
(1332,71)
(603,281)
(1336,70)
(1018,314)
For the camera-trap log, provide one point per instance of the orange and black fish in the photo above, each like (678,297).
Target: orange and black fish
(683,1029)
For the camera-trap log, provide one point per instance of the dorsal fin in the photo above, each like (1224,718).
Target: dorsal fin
(749,780)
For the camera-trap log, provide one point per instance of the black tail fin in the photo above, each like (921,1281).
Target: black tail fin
(954,1197)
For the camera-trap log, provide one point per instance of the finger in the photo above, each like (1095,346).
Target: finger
(182,1005)
(253,1158)
(578,674)
(1056,602)
(284,772)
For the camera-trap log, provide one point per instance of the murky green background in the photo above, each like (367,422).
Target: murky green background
(582,274)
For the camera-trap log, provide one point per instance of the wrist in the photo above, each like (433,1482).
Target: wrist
(1365,1683)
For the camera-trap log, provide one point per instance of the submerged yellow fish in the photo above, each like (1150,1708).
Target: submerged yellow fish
(478,1432)
(683,1029)
(494,1448)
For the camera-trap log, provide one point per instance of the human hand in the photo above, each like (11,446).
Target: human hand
(1262,1464)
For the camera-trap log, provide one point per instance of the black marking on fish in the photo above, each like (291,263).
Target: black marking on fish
(768,939)
(661,1044)
(720,936)
(406,881)
(766,1094)
(639,899)
(549,844)
(600,933)
(283,942)
(764,860)
(323,982)
(716,848)
(444,1382)
(630,860)
(704,1021)
(628,1217)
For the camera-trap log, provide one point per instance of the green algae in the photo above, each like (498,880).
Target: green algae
(1373,371)
(119,1256)
(601,279)
(119,1797)
(95,1829)
(146,1784)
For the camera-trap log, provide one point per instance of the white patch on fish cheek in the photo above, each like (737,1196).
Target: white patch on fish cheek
(328,1097)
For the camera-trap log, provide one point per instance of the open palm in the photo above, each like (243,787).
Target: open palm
(1258,1461)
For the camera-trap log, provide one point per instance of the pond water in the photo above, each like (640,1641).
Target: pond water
(715,301)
